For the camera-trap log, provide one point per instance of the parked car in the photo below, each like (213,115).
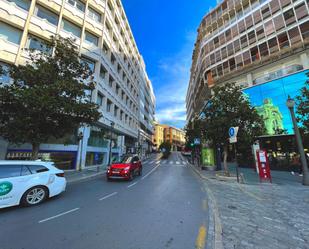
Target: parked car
(186,152)
(29,182)
(128,167)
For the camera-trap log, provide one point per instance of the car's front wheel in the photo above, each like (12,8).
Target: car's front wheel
(34,196)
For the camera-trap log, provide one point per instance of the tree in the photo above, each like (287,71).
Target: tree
(165,147)
(302,111)
(229,107)
(49,96)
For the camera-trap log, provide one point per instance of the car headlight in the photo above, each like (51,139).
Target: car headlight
(127,168)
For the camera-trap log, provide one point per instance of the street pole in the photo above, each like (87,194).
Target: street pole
(290,104)
(110,143)
(80,144)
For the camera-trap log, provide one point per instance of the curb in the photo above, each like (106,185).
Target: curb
(218,242)
(86,177)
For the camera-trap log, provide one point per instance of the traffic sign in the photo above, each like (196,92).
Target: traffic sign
(197,141)
(233,131)
(233,140)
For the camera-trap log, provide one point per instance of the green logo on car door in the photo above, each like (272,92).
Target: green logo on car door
(5,188)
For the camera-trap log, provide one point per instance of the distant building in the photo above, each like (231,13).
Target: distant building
(166,133)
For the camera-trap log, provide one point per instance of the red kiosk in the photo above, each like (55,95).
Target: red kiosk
(263,164)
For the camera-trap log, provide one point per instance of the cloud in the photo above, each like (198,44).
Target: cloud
(173,82)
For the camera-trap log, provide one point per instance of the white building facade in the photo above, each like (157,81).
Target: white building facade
(105,41)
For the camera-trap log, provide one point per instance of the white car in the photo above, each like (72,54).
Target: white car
(29,182)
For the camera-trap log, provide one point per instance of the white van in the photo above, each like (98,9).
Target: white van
(29,182)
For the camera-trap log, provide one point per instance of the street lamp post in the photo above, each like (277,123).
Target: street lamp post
(80,144)
(290,104)
(110,143)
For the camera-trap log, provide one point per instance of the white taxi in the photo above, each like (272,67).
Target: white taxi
(29,182)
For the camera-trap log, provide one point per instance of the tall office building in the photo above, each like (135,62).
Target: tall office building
(261,46)
(105,42)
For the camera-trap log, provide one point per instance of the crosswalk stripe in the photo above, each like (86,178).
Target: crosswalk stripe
(177,162)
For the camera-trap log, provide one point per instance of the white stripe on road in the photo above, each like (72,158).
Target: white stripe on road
(171,162)
(131,185)
(177,162)
(150,172)
(107,196)
(58,215)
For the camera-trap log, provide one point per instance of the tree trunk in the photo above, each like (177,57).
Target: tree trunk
(225,160)
(35,151)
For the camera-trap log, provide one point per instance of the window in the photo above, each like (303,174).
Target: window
(100,99)
(224,53)
(37,169)
(24,4)
(71,28)
(301,11)
(7,171)
(46,14)
(113,59)
(283,40)
(257,17)
(244,41)
(234,31)
(236,45)
(228,34)
(5,76)
(105,48)
(265,12)
(103,72)
(108,105)
(230,49)
(232,64)
(77,4)
(269,28)
(260,32)
(284,3)
(239,62)
(116,108)
(263,50)
(90,63)
(294,35)
(92,39)
(304,29)
(38,44)
(241,26)
(279,22)
(111,81)
(254,54)
(94,15)
(251,37)
(274,6)
(9,33)
(25,171)
(246,57)
(289,17)
(273,45)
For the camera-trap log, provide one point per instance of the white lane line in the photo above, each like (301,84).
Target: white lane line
(151,162)
(157,162)
(171,162)
(131,185)
(58,215)
(150,172)
(177,162)
(107,196)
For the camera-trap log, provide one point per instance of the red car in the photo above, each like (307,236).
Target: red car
(128,167)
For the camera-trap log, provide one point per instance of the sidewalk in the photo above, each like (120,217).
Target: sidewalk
(258,215)
(87,173)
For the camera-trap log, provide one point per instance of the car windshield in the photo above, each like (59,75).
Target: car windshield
(126,159)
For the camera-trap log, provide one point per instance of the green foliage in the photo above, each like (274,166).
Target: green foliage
(48,97)
(302,112)
(193,130)
(229,107)
(165,147)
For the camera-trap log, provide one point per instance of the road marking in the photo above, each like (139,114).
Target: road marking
(177,162)
(58,215)
(150,172)
(171,162)
(201,238)
(131,185)
(107,196)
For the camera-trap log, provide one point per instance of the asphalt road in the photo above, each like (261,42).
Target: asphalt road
(164,208)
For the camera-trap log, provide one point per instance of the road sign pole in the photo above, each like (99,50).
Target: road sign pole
(237,170)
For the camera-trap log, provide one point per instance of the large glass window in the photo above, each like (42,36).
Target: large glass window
(36,43)
(239,62)
(235,31)
(246,57)
(223,53)
(100,99)
(284,3)
(249,22)
(236,45)
(230,49)
(260,32)
(9,33)
(103,72)
(90,63)
(251,37)
(71,28)
(232,64)
(244,41)
(77,4)
(46,14)
(94,15)
(241,26)
(92,39)
(274,6)
(5,76)
(109,106)
(257,17)
(265,12)
(254,54)
(24,4)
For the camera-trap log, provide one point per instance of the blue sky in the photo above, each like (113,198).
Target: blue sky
(165,32)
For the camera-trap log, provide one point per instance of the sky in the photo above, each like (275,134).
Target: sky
(165,32)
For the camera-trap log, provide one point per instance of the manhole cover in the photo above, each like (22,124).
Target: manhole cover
(232,207)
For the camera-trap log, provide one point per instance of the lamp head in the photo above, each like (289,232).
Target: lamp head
(290,103)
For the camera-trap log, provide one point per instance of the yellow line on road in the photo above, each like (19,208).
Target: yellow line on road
(201,238)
